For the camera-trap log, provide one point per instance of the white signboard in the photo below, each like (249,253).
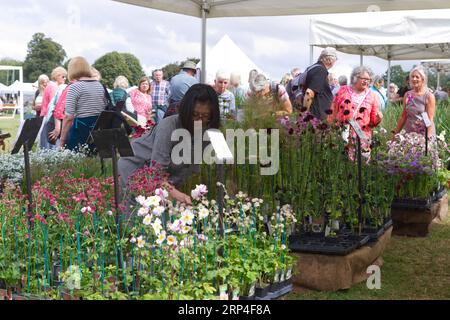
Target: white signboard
(220,146)
(358,130)
(426,119)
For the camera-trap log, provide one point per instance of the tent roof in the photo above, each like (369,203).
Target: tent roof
(17,86)
(415,36)
(227,56)
(246,8)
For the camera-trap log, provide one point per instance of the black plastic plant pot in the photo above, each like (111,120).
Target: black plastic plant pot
(247,297)
(262,291)
(275,286)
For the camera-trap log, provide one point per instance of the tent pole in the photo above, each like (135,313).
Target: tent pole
(205,10)
(361,58)
(438,77)
(20,102)
(389,73)
(311,54)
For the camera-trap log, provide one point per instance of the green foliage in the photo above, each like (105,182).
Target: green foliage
(173,68)
(7,77)
(112,65)
(398,75)
(43,56)
(135,68)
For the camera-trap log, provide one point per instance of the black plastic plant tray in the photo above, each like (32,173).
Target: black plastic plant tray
(276,294)
(419,204)
(373,233)
(340,245)
(388,224)
(411,204)
(361,239)
(439,194)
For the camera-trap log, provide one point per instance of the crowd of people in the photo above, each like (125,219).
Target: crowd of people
(70,111)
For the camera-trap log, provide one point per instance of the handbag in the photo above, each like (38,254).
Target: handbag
(50,126)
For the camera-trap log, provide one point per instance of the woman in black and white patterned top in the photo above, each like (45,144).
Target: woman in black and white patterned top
(85,101)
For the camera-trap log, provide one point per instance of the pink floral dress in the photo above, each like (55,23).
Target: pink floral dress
(142,103)
(362,107)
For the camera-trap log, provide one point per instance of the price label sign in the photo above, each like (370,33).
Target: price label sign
(358,130)
(426,119)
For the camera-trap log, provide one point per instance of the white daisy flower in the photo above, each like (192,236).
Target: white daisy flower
(157,227)
(161,237)
(142,211)
(147,220)
(140,242)
(171,240)
(158,211)
(187,216)
(203,213)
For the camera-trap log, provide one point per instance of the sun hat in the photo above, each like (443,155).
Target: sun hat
(189,65)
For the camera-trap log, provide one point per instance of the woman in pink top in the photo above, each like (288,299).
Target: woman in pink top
(58,76)
(359,103)
(54,87)
(141,99)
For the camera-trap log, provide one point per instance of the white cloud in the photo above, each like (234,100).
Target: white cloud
(94,27)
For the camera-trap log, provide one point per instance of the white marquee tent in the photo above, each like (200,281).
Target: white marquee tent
(227,56)
(241,8)
(413,36)
(26,88)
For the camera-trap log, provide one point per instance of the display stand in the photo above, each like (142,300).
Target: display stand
(27,136)
(108,143)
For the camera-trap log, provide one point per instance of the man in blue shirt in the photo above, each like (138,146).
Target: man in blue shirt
(179,84)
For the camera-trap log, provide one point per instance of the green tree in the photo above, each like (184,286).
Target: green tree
(134,65)
(7,77)
(397,75)
(112,65)
(43,56)
(173,68)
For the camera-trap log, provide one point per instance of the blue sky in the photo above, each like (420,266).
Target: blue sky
(93,27)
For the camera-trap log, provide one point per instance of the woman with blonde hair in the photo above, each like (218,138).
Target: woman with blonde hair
(50,97)
(416,102)
(37,102)
(120,96)
(86,99)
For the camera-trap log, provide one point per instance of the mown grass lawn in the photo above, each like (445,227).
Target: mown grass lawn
(414,268)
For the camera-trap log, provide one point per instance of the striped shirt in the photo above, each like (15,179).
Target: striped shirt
(160,93)
(85,99)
